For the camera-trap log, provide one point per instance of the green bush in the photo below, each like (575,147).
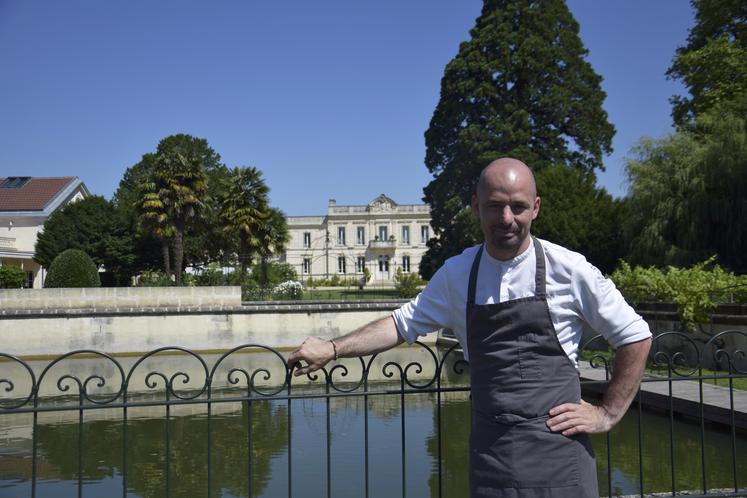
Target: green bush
(277,273)
(72,268)
(696,290)
(152,278)
(11,277)
(210,277)
(253,292)
(407,284)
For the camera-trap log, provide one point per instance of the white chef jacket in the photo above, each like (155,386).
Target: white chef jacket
(577,292)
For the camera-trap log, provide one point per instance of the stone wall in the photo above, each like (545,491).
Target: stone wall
(281,325)
(117,298)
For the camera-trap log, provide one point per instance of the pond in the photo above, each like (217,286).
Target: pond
(285,453)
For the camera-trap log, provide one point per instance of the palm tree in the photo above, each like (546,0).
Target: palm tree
(153,219)
(171,196)
(243,208)
(270,238)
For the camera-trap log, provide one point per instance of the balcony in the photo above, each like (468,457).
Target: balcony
(382,245)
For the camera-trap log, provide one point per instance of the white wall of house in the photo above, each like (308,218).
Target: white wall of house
(20,229)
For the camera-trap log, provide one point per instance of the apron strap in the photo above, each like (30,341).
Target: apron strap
(539,274)
(473,278)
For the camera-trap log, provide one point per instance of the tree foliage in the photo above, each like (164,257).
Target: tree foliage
(72,268)
(519,87)
(174,193)
(181,199)
(270,238)
(243,207)
(576,214)
(688,193)
(94,226)
(713,63)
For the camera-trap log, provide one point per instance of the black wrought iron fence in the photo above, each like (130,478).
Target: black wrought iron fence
(679,385)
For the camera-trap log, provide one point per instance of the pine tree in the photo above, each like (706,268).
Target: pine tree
(520,87)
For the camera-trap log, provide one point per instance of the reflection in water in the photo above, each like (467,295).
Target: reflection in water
(146,453)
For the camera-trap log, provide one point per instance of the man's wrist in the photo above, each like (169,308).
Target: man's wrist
(609,417)
(334,349)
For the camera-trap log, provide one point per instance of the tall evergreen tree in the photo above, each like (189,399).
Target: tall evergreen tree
(519,87)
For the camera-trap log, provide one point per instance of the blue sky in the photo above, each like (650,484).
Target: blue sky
(330,99)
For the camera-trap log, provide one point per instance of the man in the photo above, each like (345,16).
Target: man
(517,306)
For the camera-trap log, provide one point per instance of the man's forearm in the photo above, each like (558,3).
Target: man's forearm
(575,418)
(629,364)
(372,338)
(375,337)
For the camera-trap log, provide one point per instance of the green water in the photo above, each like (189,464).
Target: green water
(234,462)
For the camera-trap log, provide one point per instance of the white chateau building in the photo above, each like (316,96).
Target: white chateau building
(382,236)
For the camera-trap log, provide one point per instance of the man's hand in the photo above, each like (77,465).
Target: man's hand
(374,337)
(573,418)
(315,352)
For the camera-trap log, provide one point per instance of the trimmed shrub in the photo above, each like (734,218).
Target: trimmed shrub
(407,284)
(72,268)
(11,277)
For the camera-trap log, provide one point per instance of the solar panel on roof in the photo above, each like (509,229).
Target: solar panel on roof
(14,181)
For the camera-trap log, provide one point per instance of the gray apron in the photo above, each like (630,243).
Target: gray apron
(518,372)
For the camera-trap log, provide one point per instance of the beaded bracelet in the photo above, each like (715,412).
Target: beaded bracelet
(334,347)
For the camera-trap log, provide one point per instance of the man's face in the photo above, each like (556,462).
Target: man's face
(506,204)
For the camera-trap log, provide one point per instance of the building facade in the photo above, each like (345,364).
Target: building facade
(382,236)
(25,204)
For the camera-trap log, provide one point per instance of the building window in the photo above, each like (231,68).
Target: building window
(28,282)
(307,239)
(341,264)
(341,235)
(360,236)
(384,263)
(360,264)
(306,266)
(383,233)
(406,264)
(424,236)
(405,234)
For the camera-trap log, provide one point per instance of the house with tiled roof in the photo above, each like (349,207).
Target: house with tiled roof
(25,204)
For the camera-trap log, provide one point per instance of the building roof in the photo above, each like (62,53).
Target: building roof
(31,193)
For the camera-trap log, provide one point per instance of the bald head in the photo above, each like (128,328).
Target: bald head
(506,172)
(506,203)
